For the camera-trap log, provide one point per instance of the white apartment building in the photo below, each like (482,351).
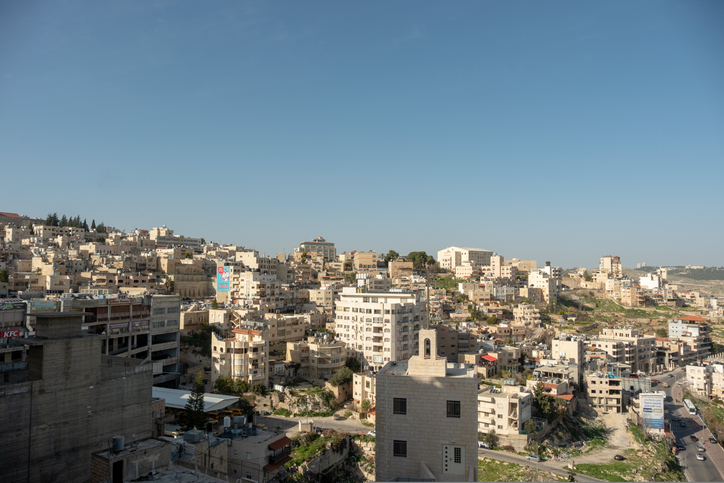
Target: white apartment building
(542,280)
(695,332)
(503,410)
(319,357)
(568,350)
(320,246)
(526,314)
(424,409)
(243,357)
(628,346)
(611,264)
(379,327)
(452,257)
(364,387)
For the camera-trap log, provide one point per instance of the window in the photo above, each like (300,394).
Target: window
(399,448)
(453,409)
(458,457)
(399,405)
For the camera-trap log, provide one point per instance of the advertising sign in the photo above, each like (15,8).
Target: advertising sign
(652,410)
(4,334)
(223,275)
(43,306)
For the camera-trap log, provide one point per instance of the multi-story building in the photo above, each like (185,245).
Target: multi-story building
(365,262)
(243,357)
(137,327)
(319,357)
(379,327)
(163,237)
(69,402)
(605,391)
(546,282)
(452,257)
(570,350)
(364,387)
(12,326)
(400,268)
(319,246)
(611,264)
(695,332)
(527,315)
(423,413)
(628,346)
(503,411)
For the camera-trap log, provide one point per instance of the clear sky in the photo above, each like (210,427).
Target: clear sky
(558,131)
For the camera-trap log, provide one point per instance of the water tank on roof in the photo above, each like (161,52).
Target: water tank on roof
(227,422)
(118,443)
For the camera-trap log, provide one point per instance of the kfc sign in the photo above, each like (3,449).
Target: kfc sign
(4,334)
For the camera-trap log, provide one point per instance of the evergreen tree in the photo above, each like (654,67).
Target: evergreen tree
(194,409)
(100,228)
(64,221)
(54,220)
(93,225)
(49,220)
(85,224)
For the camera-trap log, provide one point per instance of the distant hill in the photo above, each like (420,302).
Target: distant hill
(705,280)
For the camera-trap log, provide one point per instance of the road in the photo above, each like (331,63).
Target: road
(695,470)
(520,460)
(291,425)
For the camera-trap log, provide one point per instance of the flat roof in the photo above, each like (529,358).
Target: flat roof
(177,399)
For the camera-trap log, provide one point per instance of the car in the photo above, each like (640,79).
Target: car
(700,449)
(618,457)
(655,381)
(700,457)
(372,433)
(317,429)
(676,419)
(680,447)
(671,375)
(682,424)
(713,440)
(483,445)
(694,438)
(664,384)
(533,457)
(338,417)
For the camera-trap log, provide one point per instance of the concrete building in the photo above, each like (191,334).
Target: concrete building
(570,350)
(527,315)
(504,412)
(364,387)
(379,327)
(695,331)
(452,257)
(424,409)
(365,262)
(73,401)
(612,265)
(400,269)
(605,391)
(628,346)
(319,357)
(319,246)
(12,326)
(243,357)
(135,327)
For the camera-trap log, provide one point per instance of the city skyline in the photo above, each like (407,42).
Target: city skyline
(560,132)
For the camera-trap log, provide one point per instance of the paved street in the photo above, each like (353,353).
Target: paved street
(695,470)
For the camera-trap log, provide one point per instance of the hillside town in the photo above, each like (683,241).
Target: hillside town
(316,365)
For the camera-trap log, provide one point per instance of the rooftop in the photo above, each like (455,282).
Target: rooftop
(177,399)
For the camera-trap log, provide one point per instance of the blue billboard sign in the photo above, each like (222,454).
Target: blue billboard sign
(223,277)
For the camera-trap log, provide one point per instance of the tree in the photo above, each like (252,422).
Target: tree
(188,255)
(492,320)
(224,385)
(194,408)
(474,312)
(491,439)
(353,364)
(366,406)
(4,278)
(391,257)
(214,304)
(342,376)
(85,224)
(663,333)
(348,266)
(419,259)
(169,285)
(101,228)
(258,388)
(93,225)
(529,426)
(304,257)
(64,221)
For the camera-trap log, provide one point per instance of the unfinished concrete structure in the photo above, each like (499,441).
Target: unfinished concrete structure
(73,401)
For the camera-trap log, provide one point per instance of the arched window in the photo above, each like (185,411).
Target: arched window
(427,348)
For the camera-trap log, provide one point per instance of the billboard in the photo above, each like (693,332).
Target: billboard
(43,306)
(4,334)
(223,276)
(652,410)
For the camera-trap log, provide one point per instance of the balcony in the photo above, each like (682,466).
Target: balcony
(164,346)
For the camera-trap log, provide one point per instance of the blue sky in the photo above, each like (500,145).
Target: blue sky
(558,131)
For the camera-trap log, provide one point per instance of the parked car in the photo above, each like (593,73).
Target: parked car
(675,418)
(372,433)
(713,440)
(664,384)
(655,381)
(700,457)
(533,457)
(700,449)
(483,445)
(694,438)
(671,375)
(618,457)
(338,417)
(680,447)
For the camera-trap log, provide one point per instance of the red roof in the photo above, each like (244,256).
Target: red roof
(694,318)
(280,443)
(9,215)
(567,396)
(246,331)
(489,358)
(276,466)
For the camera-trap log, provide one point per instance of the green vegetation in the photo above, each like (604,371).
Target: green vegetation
(195,416)
(4,276)
(342,376)
(314,414)
(282,412)
(709,273)
(420,259)
(447,283)
(201,340)
(353,364)
(494,470)
(307,447)
(713,414)
(224,385)
(369,425)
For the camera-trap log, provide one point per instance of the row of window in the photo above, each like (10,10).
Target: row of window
(399,406)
